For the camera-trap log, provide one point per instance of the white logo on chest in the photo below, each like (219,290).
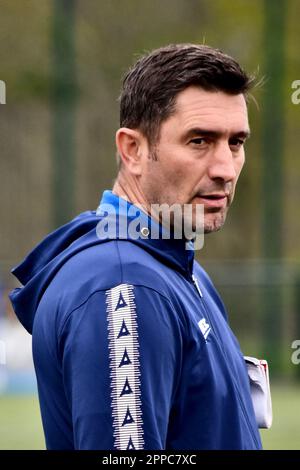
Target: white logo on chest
(204,327)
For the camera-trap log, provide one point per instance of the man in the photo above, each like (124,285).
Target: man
(131,343)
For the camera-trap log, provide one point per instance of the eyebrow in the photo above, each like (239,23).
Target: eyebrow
(197,131)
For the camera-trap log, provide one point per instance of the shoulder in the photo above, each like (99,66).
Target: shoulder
(103,267)
(112,263)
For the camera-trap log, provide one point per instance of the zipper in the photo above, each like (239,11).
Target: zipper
(219,342)
(196,284)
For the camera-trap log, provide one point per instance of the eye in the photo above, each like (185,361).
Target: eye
(236,143)
(198,141)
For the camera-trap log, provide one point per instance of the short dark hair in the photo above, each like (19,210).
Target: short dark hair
(151,86)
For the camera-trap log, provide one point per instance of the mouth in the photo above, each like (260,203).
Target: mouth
(216,200)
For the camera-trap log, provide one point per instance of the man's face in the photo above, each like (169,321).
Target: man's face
(200,154)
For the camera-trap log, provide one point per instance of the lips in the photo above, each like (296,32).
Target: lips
(213,199)
(213,195)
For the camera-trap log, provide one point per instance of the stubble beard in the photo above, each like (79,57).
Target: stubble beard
(214,224)
(213,220)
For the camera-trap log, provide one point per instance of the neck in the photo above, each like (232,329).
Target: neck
(127,187)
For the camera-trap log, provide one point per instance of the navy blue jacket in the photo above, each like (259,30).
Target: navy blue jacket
(131,343)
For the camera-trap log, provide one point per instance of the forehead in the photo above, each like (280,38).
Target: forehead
(215,110)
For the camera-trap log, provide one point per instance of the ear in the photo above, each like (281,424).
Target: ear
(131,147)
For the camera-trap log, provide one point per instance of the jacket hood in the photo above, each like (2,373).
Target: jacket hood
(90,228)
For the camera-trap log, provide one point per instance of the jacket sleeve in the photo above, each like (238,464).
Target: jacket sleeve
(121,356)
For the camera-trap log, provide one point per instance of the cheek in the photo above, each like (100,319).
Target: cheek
(167,173)
(185,173)
(238,169)
(239,166)
(177,177)
(156,179)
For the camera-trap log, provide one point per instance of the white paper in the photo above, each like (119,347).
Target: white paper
(258,373)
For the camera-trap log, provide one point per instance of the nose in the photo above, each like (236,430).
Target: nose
(221,165)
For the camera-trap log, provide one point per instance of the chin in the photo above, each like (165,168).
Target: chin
(214,224)
(210,229)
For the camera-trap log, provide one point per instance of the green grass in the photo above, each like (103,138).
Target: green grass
(20,423)
(285,431)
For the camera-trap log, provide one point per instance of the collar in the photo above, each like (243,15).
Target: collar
(125,220)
